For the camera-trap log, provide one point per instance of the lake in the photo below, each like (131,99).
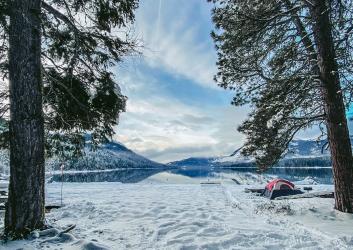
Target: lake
(195,175)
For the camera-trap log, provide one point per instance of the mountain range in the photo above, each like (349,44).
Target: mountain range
(114,155)
(301,153)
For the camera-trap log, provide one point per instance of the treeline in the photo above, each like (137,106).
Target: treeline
(324,161)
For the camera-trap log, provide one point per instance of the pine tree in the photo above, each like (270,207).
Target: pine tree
(57,85)
(291,62)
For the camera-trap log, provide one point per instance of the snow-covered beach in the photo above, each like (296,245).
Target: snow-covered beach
(154,214)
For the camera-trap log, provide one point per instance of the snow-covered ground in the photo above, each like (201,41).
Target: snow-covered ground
(173,212)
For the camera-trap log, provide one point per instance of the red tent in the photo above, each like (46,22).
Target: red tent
(279,184)
(280,187)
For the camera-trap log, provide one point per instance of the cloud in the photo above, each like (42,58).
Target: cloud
(198,119)
(176,152)
(177,39)
(175,110)
(164,128)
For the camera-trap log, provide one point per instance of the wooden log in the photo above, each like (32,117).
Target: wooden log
(323,194)
(48,208)
(3,200)
(68,229)
(254,190)
(236,181)
(210,183)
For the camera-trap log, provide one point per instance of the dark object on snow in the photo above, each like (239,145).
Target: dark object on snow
(68,229)
(236,181)
(307,188)
(48,208)
(254,190)
(323,194)
(280,187)
(283,192)
(210,183)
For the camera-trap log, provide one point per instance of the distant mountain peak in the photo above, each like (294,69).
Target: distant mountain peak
(298,149)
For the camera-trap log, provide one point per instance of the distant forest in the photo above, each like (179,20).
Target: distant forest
(323,161)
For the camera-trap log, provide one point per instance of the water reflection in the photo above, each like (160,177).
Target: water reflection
(320,175)
(121,175)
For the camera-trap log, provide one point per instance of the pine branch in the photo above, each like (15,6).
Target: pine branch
(60,16)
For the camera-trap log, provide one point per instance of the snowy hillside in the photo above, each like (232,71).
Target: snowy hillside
(112,155)
(112,162)
(109,156)
(306,153)
(297,149)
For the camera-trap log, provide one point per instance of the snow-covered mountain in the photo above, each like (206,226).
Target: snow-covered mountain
(305,153)
(112,155)
(297,149)
(111,162)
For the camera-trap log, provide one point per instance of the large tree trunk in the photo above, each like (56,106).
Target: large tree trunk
(338,134)
(25,206)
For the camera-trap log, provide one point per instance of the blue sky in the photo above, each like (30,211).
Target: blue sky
(175,110)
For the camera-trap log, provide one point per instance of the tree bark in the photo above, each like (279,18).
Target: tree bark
(337,129)
(25,206)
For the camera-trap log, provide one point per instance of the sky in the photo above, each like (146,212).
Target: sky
(175,110)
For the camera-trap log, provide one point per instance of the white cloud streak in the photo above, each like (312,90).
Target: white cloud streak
(173,41)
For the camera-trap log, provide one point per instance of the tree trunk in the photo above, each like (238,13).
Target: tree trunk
(337,129)
(25,206)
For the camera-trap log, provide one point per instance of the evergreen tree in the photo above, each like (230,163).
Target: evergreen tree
(56,86)
(291,62)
